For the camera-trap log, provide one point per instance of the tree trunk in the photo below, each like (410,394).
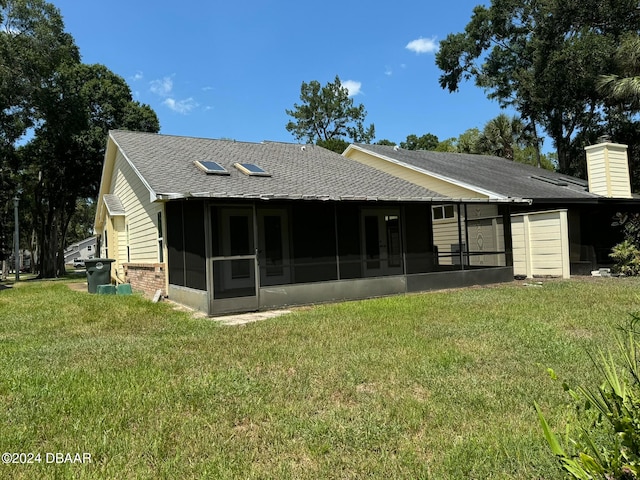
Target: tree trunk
(49,244)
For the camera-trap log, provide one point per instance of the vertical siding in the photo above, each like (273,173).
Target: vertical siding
(518,240)
(541,244)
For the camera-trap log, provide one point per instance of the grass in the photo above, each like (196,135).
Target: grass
(437,385)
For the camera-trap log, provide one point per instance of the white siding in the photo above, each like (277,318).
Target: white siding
(541,244)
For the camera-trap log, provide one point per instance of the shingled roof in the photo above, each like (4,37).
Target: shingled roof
(505,178)
(166,165)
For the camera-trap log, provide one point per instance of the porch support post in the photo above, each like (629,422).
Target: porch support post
(335,228)
(508,243)
(460,242)
(255,250)
(466,235)
(403,239)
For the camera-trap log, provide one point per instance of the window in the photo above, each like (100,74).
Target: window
(251,169)
(443,212)
(211,167)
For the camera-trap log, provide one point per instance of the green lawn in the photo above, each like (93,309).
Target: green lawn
(438,385)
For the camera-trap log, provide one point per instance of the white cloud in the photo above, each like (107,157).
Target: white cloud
(181,106)
(423,45)
(353,87)
(162,87)
(388,72)
(137,76)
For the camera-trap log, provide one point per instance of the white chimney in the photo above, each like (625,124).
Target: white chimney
(608,170)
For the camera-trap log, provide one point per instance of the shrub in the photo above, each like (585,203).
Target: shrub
(627,257)
(604,439)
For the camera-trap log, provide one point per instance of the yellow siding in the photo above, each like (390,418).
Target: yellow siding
(141,215)
(445,237)
(608,170)
(518,240)
(442,187)
(541,244)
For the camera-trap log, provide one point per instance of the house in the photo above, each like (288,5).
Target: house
(564,228)
(226,226)
(84,249)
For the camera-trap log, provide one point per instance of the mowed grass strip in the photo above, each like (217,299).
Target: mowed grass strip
(438,385)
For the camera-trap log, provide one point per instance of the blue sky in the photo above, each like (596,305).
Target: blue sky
(230,69)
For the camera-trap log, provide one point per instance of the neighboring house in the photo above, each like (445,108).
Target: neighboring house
(84,249)
(226,226)
(565,226)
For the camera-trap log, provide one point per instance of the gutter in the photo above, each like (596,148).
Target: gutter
(163,197)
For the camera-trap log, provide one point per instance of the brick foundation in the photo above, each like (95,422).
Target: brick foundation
(146,277)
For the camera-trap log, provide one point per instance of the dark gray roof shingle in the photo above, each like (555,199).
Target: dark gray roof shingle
(166,164)
(498,175)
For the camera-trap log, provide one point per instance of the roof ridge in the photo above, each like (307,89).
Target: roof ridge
(191,137)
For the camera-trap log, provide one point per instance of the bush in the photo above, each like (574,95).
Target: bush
(627,253)
(627,257)
(604,439)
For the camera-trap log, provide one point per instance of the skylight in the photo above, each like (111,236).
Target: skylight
(251,169)
(211,167)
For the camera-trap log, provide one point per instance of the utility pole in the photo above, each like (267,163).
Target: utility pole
(16,237)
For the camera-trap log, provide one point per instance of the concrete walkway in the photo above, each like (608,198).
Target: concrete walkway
(244,318)
(231,320)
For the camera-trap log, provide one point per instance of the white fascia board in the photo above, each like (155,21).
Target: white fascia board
(107,170)
(468,186)
(152,194)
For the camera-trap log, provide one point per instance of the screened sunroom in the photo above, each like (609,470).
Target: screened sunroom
(241,256)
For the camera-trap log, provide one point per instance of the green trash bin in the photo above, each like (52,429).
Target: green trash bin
(98,272)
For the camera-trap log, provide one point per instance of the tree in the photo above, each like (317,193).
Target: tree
(337,145)
(81,223)
(33,46)
(623,87)
(448,145)
(502,136)
(328,113)
(62,164)
(468,141)
(386,142)
(428,141)
(543,59)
